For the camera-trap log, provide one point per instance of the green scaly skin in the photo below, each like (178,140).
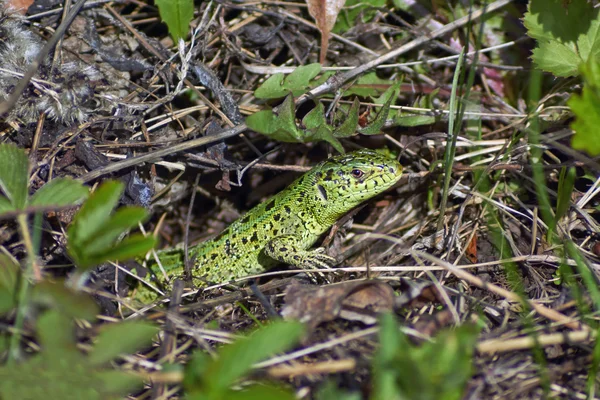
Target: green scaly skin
(283,228)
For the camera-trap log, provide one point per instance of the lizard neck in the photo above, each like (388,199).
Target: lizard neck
(325,210)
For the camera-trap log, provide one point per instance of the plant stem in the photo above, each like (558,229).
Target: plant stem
(14,349)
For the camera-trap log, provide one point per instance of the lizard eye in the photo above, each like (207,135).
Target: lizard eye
(357,173)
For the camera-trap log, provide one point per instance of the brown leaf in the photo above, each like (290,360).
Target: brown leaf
(471,251)
(414,293)
(325,13)
(359,300)
(19,6)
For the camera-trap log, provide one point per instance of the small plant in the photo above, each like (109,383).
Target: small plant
(177,14)
(281,124)
(211,379)
(14,178)
(61,371)
(569,45)
(433,370)
(94,236)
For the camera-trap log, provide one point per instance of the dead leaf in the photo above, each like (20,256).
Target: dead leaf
(325,13)
(356,300)
(366,301)
(415,293)
(471,251)
(19,6)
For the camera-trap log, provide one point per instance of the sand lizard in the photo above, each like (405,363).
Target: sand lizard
(283,228)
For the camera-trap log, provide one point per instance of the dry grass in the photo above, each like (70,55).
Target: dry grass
(483,242)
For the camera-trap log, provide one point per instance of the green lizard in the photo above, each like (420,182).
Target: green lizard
(283,228)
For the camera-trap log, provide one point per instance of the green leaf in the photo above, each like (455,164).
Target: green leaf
(280,126)
(5,205)
(331,391)
(57,335)
(350,123)
(298,82)
(95,212)
(260,393)
(123,337)
(368,85)
(109,232)
(113,381)
(432,370)
(237,358)
(61,371)
(69,303)
(384,373)
(374,127)
(9,275)
(177,14)
(587,112)
(567,34)
(318,129)
(413,120)
(566,182)
(14,171)
(558,58)
(59,192)
(272,88)
(128,248)
(366,10)
(93,235)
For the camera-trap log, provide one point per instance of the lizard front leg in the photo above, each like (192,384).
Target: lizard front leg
(287,249)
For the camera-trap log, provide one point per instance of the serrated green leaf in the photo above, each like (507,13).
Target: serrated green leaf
(14,171)
(560,59)
(177,14)
(5,205)
(298,82)
(59,192)
(350,123)
(567,33)
(237,358)
(93,235)
(94,212)
(123,337)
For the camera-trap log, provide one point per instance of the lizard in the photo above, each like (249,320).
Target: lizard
(283,228)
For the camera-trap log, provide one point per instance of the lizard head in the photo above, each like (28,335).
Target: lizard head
(343,182)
